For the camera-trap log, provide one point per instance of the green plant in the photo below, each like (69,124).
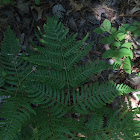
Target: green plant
(2,2)
(37,2)
(120,50)
(46,89)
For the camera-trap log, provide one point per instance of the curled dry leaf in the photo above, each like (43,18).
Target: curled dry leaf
(58,10)
(40,10)
(76,6)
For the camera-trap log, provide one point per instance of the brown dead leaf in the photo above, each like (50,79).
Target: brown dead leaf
(40,10)
(80,135)
(76,6)
(81,6)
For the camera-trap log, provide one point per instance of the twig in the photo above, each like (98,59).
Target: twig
(129,15)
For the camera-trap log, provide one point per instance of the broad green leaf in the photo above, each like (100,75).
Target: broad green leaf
(104,40)
(99,30)
(113,30)
(127,45)
(107,40)
(127,65)
(109,53)
(107,25)
(139,74)
(132,28)
(126,52)
(120,53)
(116,44)
(121,36)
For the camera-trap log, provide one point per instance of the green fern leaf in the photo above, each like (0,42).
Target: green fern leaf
(116,128)
(13,65)
(55,100)
(41,91)
(14,114)
(96,96)
(54,129)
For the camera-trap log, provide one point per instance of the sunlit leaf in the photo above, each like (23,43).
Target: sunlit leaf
(121,36)
(107,25)
(109,53)
(127,65)
(127,45)
(116,44)
(126,52)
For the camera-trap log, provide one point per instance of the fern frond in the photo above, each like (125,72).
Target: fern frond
(10,44)
(117,64)
(14,66)
(51,88)
(45,60)
(59,52)
(54,129)
(57,64)
(14,113)
(96,96)
(56,79)
(55,100)
(15,109)
(116,128)
(79,75)
(2,78)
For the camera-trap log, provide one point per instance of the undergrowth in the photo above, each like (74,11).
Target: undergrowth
(5,2)
(47,96)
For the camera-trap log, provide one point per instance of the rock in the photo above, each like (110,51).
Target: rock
(23,6)
(118,22)
(103,15)
(135,95)
(110,61)
(3,97)
(134,79)
(58,10)
(21,38)
(82,23)
(96,22)
(72,24)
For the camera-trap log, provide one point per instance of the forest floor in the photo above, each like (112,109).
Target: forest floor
(80,16)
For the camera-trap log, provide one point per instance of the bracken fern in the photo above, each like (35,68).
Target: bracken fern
(45,89)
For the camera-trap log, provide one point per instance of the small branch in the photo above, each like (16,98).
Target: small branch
(136,15)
